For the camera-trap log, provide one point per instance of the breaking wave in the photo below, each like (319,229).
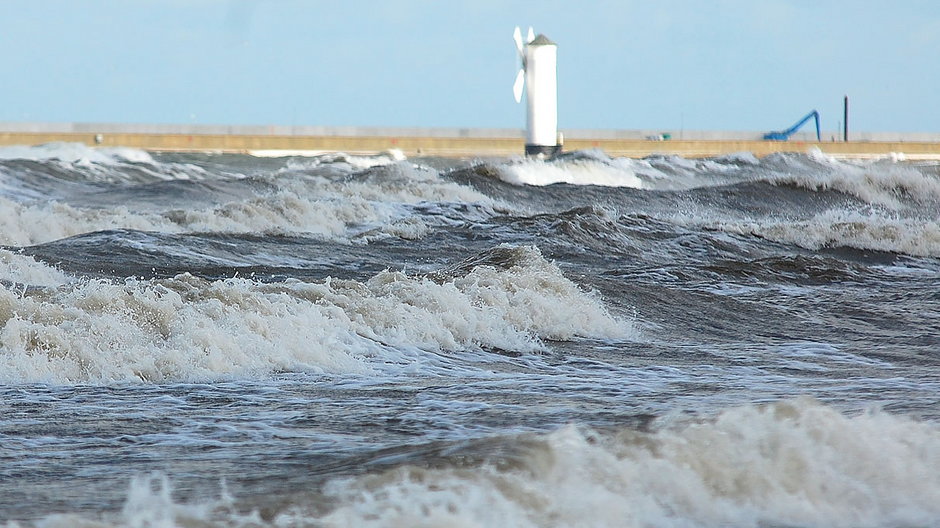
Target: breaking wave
(867,230)
(314,205)
(881,182)
(77,162)
(791,463)
(876,182)
(594,167)
(185,328)
(590,168)
(76,153)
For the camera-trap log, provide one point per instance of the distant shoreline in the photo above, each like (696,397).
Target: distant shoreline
(454,142)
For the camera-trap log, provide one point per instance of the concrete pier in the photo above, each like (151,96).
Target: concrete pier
(448,142)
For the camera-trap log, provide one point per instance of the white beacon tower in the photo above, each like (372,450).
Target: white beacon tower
(539,57)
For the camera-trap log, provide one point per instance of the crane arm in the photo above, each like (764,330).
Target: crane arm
(785,134)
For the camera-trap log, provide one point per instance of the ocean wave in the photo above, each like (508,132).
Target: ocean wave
(185,328)
(593,167)
(75,163)
(582,170)
(793,463)
(36,223)
(311,205)
(77,153)
(790,463)
(353,162)
(876,182)
(886,183)
(867,230)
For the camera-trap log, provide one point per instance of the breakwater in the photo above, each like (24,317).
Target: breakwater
(451,142)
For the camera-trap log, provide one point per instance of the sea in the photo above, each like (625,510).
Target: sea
(232,340)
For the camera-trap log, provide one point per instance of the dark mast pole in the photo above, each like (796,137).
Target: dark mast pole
(845,119)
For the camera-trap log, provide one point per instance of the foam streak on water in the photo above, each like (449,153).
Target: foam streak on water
(335,340)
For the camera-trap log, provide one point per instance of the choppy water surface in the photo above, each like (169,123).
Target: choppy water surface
(226,340)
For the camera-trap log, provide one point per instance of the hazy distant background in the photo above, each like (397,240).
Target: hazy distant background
(672,64)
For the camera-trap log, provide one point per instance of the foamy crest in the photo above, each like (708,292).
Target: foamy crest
(281,212)
(888,184)
(287,212)
(75,162)
(101,332)
(189,329)
(794,463)
(738,158)
(352,162)
(25,270)
(575,172)
(654,172)
(843,228)
(406,183)
(335,209)
(36,223)
(75,153)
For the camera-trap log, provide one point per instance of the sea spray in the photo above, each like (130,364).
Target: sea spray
(18,269)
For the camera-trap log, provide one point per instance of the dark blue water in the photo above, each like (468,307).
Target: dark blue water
(228,340)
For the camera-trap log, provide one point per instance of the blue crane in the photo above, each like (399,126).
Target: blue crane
(784,135)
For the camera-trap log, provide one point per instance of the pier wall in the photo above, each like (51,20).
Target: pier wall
(452,142)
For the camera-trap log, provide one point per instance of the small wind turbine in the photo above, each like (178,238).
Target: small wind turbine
(537,76)
(520,47)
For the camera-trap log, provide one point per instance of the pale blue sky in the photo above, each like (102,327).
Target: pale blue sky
(670,64)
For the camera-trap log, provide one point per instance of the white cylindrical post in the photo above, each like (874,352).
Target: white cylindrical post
(541,55)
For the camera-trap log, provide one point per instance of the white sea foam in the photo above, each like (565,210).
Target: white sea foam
(792,463)
(354,162)
(876,182)
(334,209)
(25,270)
(35,223)
(331,216)
(738,158)
(75,153)
(406,183)
(335,216)
(101,332)
(654,172)
(103,164)
(189,329)
(577,172)
(871,230)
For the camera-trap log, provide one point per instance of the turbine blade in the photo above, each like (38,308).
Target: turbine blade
(531,36)
(517,86)
(517,37)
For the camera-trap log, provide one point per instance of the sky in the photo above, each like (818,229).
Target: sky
(754,65)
